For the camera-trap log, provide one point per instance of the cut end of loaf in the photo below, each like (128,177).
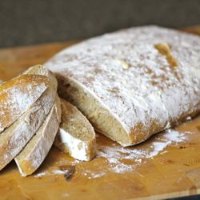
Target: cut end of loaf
(92,107)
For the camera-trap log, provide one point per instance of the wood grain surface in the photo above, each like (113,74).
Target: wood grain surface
(165,166)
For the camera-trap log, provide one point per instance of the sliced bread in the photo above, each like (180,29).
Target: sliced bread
(17,95)
(34,153)
(76,135)
(15,137)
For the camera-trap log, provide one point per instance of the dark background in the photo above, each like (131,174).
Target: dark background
(24,22)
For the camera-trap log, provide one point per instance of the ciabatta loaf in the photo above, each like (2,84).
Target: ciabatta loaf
(132,83)
(76,135)
(32,156)
(15,137)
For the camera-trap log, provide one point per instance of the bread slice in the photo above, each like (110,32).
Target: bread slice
(32,156)
(133,83)
(76,135)
(17,95)
(15,137)
(94,109)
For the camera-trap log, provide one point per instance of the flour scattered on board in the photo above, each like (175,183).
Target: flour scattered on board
(121,160)
(92,175)
(41,174)
(116,155)
(51,172)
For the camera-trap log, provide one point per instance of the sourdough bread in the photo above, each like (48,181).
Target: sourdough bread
(32,156)
(76,135)
(133,83)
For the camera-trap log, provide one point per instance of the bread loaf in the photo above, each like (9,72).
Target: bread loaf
(133,83)
(76,135)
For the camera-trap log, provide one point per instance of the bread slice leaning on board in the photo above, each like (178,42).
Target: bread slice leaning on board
(34,153)
(76,135)
(132,83)
(16,136)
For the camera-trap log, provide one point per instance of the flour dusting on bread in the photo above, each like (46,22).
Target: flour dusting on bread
(127,83)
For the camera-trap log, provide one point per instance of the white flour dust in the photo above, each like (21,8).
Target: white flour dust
(117,155)
(92,175)
(121,160)
(51,172)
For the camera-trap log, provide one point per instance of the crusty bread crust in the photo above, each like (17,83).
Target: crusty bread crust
(17,95)
(15,137)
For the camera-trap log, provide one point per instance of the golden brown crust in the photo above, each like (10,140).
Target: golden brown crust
(13,93)
(25,103)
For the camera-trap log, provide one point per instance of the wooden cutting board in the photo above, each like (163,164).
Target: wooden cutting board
(167,165)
